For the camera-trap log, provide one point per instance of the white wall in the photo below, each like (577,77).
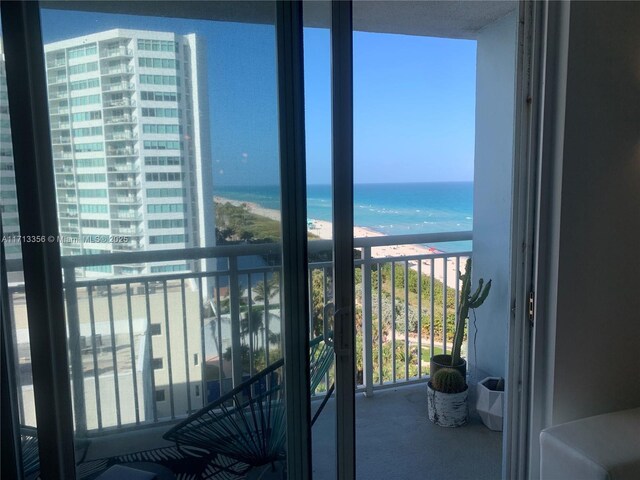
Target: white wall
(495,84)
(596,364)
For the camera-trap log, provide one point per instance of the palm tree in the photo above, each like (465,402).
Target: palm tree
(264,291)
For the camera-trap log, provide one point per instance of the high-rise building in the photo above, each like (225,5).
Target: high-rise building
(8,201)
(131,148)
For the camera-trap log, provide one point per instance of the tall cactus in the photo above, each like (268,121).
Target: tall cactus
(467,301)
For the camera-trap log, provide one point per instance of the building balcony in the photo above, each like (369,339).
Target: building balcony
(58,95)
(122,102)
(54,80)
(120,86)
(124,167)
(58,63)
(58,110)
(128,215)
(127,199)
(122,152)
(121,136)
(120,70)
(60,126)
(116,52)
(121,119)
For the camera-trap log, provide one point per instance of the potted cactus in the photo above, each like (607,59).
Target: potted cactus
(447,398)
(468,301)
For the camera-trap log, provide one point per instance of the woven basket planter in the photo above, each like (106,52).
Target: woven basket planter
(447,409)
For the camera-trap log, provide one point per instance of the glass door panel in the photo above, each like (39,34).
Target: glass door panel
(317,71)
(16,351)
(165,148)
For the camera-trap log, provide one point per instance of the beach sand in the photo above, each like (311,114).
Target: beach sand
(323,229)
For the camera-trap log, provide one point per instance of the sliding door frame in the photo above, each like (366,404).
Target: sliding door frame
(35,189)
(290,62)
(342,200)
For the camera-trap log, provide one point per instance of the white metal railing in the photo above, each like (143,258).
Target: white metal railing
(187,332)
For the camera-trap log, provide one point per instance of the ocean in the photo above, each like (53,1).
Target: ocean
(389,208)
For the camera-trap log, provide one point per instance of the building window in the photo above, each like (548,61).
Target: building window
(163,161)
(155,329)
(87,131)
(91,177)
(157,363)
(160,112)
(88,147)
(167,208)
(83,68)
(160,96)
(85,100)
(92,193)
(78,52)
(164,177)
(158,45)
(163,239)
(84,84)
(159,80)
(160,395)
(158,62)
(164,193)
(151,128)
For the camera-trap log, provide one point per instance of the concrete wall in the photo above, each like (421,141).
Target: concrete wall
(495,84)
(596,362)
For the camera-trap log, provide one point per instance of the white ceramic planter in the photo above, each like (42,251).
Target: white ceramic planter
(447,409)
(490,403)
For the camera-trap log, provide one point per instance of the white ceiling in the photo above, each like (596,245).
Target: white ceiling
(444,18)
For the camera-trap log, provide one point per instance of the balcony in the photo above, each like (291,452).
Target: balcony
(127,135)
(133,336)
(53,80)
(121,119)
(125,199)
(120,70)
(116,52)
(122,102)
(124,167)
(57,63)
(122,152)
(113,87)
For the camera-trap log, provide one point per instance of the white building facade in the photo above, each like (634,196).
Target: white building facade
(131,145)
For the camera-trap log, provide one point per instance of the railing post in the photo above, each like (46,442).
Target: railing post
(77,375)
(234,307)
(367,323)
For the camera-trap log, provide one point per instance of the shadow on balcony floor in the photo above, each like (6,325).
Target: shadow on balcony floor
(396,440)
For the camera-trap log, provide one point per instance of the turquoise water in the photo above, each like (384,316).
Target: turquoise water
(390,208)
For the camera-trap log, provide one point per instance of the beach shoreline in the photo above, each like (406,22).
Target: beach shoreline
(324,230)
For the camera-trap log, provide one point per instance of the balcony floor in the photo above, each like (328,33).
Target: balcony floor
(395,440)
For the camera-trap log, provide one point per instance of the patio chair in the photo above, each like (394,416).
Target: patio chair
(248,423)
(29,445)
(243,429)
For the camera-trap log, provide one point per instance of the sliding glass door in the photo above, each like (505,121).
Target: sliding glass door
(175,214)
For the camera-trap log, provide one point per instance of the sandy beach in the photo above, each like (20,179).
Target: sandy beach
(323,229)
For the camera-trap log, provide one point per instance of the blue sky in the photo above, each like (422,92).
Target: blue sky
(414,99)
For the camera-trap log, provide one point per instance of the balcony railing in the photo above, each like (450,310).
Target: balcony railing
(116,52)
(126,86)
(121,119)
(153,348)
